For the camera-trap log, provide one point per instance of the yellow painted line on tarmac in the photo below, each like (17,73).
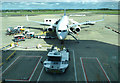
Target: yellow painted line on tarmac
(42,33)
(46,45)
(0,47)
(10,55)
(1,64)
(5,45)
(39,33)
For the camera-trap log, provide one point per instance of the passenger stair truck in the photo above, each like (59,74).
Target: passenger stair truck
(57,61)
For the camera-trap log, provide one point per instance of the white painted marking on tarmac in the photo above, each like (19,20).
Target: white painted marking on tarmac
(88,57)
(83,69)
(10,65)
(15,80)
(40,75)
(74,69)
(32,72)
(103,69)
(74,66)
(98,63)
(30,56)
(35,69)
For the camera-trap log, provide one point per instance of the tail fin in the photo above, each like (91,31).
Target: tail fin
(27,18)
(64,12)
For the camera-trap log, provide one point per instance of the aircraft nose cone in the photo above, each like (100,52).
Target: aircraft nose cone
(61,37)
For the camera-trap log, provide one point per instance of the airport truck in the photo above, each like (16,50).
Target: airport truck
(57,60)
(11,30)
(19,28)
(29,35)
(18,38)
(15,30)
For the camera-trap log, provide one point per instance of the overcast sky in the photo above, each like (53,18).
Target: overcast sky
(58,0)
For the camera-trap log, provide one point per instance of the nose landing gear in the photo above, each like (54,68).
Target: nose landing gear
(62,41)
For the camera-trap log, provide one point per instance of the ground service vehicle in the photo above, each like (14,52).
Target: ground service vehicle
(15,30)
(57,61)
(18,38)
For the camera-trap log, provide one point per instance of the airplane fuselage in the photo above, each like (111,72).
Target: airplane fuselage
(62,28)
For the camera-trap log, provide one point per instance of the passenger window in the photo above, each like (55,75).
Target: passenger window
(59,30)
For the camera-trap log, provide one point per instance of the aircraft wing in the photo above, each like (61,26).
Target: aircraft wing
(41,23)
(87,22)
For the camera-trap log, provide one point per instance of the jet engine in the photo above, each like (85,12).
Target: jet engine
(71,28)
(77,29)
(50,28)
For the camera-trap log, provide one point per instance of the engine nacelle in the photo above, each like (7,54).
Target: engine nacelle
(77,29)
(71,29)
(50,28)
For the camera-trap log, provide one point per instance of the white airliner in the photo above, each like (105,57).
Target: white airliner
(62,26)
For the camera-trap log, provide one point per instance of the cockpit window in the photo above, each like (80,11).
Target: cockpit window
(59,30)
(62,30)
